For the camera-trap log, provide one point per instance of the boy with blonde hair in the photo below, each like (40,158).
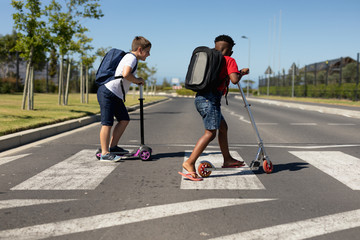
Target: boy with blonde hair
(111,98)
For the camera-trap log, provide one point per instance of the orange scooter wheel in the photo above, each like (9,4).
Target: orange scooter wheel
(201,169)
(268,168)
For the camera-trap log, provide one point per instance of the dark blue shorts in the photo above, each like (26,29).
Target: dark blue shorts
(208,106)
(110,106)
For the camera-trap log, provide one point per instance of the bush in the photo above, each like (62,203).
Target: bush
(40,86)
(8,85)
(185,92)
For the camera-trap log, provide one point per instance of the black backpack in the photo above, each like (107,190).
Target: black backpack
(204,69)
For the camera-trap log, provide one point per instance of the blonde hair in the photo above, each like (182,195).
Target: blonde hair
(140,41)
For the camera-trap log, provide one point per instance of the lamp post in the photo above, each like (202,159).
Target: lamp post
(247,87)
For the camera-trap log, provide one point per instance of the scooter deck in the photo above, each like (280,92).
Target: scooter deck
(143,152)
(239,169)
(206,168)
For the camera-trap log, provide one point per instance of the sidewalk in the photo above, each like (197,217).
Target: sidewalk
(24,137)
(337,110)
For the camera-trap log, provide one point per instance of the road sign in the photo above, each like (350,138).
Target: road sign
(268,71)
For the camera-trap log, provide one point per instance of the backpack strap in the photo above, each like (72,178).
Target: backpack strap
(121,82)
(123,90)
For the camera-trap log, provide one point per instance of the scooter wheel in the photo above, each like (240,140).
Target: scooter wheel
(145,155)
(98,154)
(268,168)
(201,169)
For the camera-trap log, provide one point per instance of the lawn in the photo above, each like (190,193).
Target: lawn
(47,110)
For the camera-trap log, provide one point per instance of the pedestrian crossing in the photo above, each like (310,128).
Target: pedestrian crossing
(77,172)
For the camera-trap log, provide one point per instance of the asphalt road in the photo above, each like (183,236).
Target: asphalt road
(55,188)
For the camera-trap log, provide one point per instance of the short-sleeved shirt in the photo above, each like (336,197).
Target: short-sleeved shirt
(115,85)
(229,66)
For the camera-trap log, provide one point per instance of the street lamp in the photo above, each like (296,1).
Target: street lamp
(247,88)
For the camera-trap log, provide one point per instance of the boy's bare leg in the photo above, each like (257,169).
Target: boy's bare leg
(105,132)
(119,129)
(189,165)
(224,146)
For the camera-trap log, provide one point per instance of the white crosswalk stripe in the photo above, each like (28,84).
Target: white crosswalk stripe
(12,158)
(343,167)
(74,173)
(302,229)
(13,203)
(222,179)
(120,218)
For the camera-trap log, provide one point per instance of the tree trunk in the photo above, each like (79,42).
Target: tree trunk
(87,83)
(31,89)
(26,85)
(28,77)
(60,78)
(81,83)
(67,83)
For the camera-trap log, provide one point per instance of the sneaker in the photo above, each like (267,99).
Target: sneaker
(118,149)
(110,158)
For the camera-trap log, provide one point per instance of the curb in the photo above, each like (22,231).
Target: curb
(18,139)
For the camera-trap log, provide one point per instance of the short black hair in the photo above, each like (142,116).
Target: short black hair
(225,38)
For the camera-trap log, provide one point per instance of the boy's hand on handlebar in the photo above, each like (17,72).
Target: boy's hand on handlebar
(140,81)
(244,71)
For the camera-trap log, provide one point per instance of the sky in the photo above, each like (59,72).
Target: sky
(278,32)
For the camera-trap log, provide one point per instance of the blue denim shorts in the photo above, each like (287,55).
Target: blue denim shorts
(208,105)
(110,106)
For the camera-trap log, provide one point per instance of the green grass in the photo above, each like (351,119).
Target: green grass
(48,111)
(341,102)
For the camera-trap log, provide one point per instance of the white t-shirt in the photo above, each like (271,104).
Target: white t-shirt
(115,85)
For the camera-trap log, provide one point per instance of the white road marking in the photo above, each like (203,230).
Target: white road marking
(241,117)
(303,124)
(13,203)
(120,218)
(221,179)
(302,229)
(271,146)
(313,147)
(341,166)
(4,160)
(79,172)
(341,124)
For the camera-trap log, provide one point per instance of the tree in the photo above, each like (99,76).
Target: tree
(165,84)
(87,62)
(145,72)
(8,57)
(250,82)
(82,47)
(53,62)
(65,25)
(32,41)
(102,51)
